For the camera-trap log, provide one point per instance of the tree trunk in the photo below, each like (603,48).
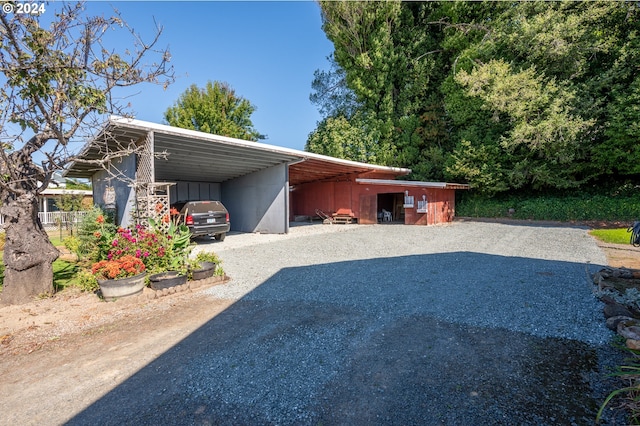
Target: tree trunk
(28,253)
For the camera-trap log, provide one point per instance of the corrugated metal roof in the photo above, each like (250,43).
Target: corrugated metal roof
(439,185)
(198,156)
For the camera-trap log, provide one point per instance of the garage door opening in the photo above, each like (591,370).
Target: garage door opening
(390,207)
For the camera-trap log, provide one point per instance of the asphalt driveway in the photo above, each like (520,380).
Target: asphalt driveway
(463,324)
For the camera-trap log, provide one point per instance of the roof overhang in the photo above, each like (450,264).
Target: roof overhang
(64,191)
(191,155)
(410,183)
(203,157)
(316,167)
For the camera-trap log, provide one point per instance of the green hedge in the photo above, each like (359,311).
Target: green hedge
(560,208)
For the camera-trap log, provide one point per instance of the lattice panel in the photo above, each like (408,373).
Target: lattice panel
(158,207)
(144,166)
(153,202)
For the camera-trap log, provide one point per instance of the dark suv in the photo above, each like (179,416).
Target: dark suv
(204,218)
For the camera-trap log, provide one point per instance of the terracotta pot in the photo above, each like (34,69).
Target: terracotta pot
(166,279)
(207,269)
(122,287)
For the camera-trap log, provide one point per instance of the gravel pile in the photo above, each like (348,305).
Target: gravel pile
(465,323)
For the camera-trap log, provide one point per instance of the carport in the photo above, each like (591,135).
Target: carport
(253,180)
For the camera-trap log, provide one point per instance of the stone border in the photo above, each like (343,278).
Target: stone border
(621,317)
(150,294)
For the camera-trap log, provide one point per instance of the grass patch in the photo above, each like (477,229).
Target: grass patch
(612,236)
(629,395)
(64,273)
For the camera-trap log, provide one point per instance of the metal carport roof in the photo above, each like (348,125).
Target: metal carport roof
(198,156)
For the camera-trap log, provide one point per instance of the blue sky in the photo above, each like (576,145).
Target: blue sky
(267,51)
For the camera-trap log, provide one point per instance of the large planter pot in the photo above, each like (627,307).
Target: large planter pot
(122,287)
(166,279)
(207,269)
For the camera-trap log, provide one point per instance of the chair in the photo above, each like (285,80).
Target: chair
(386,216)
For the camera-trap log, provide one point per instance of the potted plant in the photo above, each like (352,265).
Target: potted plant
(177,240)
(203,266)
(119,277)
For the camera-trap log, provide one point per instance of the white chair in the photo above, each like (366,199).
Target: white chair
(386,216)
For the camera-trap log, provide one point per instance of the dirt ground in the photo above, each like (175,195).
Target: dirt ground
(77,344)
(64,338)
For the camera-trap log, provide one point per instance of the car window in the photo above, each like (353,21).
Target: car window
(202,206)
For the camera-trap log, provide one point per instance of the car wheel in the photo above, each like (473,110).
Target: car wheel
(220,237)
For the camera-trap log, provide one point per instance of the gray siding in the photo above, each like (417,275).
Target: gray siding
(125,195)
(258,202)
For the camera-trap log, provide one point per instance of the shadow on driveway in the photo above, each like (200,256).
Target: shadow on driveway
(456,338)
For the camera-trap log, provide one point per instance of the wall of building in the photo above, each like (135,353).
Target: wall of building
(195,191)
(258,202)
(125,195)
(366,201)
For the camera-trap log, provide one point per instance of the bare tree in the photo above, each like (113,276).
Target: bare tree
(57,84)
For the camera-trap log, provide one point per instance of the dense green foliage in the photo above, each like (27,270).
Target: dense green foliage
(214,109)
(560,207)
(532,96)
(77,184)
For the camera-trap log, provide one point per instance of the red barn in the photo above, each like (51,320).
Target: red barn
(367,193)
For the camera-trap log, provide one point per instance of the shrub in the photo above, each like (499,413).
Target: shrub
(72,243)
(86,281)
(94,223)
(552,207)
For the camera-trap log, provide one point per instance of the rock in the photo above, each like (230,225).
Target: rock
(604,273)
(621,273)
(612,322)
(616,310)
(633,344)
(607,300)
(629,329)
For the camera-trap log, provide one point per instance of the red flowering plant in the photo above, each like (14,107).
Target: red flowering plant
(122,267)
(158,248)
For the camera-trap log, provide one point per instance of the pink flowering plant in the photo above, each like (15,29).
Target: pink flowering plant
(142,243)
(159,250)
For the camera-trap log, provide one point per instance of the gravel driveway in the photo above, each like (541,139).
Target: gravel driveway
(469,323)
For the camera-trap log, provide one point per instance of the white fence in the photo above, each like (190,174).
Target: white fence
(53,220)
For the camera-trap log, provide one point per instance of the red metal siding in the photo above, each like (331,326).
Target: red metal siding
(362,200)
